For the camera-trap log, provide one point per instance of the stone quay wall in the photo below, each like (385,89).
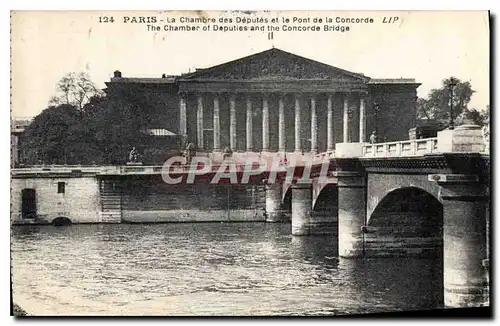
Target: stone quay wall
(74,198)
(41,199)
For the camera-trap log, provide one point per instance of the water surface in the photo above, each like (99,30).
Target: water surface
(207,269)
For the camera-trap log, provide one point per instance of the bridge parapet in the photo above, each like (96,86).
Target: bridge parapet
(285,158)
(464,138)
(467,138)
(51,170)
(416,147)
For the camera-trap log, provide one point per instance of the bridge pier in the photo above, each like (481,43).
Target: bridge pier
(465,203)
(274,212)
(352,212)
(304,220)
(301,209)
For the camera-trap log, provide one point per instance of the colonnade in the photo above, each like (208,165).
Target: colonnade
(201,105)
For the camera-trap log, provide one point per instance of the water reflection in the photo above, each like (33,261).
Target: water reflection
(208,269)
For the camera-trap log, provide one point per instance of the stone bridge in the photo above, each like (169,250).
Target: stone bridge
(427,197)
(424,197)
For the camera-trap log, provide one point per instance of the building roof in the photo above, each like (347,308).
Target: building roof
(392,81)
(160,132)
(271,64)
(144,80)
(437,123)
(18,125)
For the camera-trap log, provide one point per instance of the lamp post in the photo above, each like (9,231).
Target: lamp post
(451,85)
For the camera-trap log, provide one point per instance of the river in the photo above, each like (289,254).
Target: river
(208,269)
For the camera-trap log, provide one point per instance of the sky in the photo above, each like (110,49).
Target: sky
(428,46)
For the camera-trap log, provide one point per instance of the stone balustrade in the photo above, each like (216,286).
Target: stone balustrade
(59,169)
(416,147)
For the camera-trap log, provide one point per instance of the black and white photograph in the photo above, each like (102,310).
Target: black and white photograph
(249,163)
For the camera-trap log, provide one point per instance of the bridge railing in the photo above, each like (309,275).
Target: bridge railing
(47,169)
(416,147)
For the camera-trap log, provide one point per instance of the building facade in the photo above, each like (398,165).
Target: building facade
(17,127)
(273,101)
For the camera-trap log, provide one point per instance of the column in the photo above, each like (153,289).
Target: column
(216,123)
(314,126)
(232,122)
(281,125)
(249,124)
(298,140)
(199,122)
(362,120)
(346,119)
(265,124)
(273,202)
(352,211)
(183,119)
(329,123)
(301,208)
(464,239)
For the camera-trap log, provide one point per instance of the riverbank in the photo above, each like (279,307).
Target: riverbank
(18,311)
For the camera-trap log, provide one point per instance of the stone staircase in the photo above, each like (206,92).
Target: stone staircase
(111,202)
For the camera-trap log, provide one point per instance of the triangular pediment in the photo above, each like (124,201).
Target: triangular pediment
(274,64)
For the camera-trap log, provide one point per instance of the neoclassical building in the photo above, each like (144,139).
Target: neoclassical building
(272,101)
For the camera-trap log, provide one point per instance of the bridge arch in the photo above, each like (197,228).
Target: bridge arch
(286,202)
(381,185)
(286,190)
(61,221)
(327,198)
(411,219)
(408,199)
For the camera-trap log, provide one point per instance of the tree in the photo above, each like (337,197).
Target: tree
(486,116)
(58,136)
(95,129)
(75,89)
(480,118)
(437,104)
